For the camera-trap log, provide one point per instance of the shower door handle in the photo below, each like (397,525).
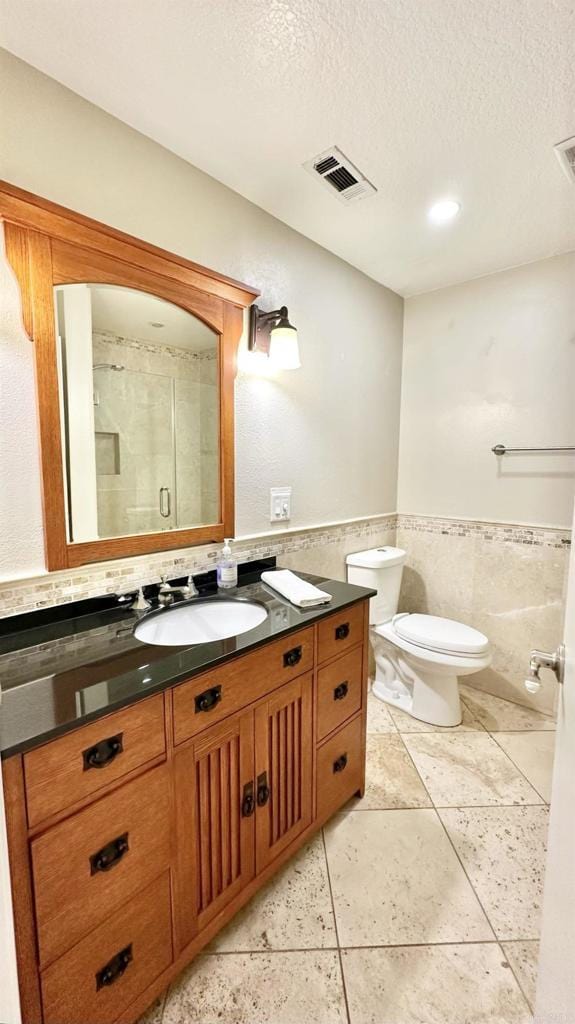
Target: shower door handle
(165,502)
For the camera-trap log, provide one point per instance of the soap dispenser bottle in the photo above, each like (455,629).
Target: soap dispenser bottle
(227,568)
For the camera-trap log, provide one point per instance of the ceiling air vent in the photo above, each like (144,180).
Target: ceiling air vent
(339,175)
(566,155)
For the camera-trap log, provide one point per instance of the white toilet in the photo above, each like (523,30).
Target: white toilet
(418,657)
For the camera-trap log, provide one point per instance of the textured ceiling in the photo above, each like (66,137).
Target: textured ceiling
(430,98)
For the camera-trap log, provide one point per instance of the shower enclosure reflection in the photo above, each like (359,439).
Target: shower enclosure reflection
(140,403)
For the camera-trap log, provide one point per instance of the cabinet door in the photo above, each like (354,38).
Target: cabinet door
(215,803)
(283,730)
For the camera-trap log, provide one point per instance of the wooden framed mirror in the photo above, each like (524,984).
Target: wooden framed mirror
(135,352)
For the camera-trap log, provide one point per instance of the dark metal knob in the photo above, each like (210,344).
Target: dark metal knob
(342,631)
(115,967)
(109,855)
(103,753)
(208,699)
(340,764)
(292,657)
(248,800)
(263,791)
(341,691)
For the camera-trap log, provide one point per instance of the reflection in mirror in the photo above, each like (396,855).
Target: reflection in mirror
(139,397)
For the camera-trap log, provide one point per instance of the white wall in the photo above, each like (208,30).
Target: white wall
(330,430)
(21,545)
(491,361)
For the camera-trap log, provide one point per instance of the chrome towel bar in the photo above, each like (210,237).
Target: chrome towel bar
(501,449)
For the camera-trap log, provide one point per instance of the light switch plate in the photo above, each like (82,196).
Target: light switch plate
(280,504)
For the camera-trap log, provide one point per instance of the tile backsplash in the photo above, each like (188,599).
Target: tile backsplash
(126,574)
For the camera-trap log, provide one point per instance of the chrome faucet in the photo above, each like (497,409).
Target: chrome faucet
(167,593)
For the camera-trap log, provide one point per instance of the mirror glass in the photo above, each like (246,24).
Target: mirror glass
(139,396)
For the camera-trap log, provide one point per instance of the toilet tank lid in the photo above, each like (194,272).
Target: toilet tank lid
(377,558)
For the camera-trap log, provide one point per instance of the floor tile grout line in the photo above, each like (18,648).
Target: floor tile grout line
(514,972)
(340,958)
(474,889)
(517,768)
(529,732)
(442,807)
(451,843)
(476,720)
(369,945)
(509,758)
(514,704)
(474,717)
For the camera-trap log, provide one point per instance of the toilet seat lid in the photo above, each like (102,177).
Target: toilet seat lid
(440,634)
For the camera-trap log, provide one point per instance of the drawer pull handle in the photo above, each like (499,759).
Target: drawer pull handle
(248,801)
(341,691)
(340,764)
(208,699)
(104,752)
(292,657)
(342,632)
(263,792)
(109,855)
(115,968)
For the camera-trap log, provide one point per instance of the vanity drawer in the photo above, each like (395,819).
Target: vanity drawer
(339,768)
(340,631)
(104,973)
(87,865)
(79,764)
(339,689)
(215,695)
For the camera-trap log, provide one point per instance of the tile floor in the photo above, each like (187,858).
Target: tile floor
(418,904)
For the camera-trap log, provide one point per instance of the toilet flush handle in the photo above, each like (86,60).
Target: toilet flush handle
(541,659)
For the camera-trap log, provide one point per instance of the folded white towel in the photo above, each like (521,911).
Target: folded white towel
(298,591)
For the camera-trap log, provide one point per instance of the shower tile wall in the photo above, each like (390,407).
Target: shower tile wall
(506,581)
(210,439)
(128,500)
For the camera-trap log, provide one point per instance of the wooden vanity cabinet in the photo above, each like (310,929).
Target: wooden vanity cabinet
(135,838)
(283,768)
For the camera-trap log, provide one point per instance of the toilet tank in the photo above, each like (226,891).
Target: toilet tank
(381,569)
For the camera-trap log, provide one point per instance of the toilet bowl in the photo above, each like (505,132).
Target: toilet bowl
(418,657)
(418,661)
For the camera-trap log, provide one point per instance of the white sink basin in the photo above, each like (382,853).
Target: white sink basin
(200,622)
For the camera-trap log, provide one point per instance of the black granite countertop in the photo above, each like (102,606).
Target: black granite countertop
(56,676)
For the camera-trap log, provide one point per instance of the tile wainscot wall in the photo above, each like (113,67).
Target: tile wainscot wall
(506,580)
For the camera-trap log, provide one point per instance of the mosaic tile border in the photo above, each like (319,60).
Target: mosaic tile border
(157,350)
(506,533)
(123,575)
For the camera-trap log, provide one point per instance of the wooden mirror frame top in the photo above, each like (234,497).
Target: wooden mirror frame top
(48,245)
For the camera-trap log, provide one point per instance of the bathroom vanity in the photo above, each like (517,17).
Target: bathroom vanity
(151,791)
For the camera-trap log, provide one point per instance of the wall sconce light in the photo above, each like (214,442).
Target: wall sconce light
(273,334)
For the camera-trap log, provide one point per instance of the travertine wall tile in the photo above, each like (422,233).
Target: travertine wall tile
(506,580)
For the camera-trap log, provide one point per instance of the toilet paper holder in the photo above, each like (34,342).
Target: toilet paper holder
(542,659)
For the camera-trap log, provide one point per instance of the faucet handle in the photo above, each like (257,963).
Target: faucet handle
(192,589)
(141,604)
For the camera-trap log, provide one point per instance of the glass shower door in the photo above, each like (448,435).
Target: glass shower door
(135,451)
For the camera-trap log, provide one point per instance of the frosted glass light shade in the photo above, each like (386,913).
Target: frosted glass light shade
(284,348)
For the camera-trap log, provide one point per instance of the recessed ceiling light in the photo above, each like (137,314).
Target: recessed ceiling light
(156,323)
(443,211)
